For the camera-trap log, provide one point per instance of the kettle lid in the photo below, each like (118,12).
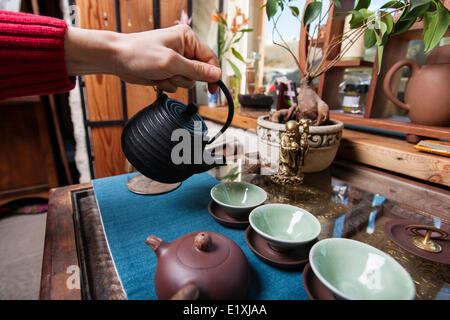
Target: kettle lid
(185,116)
(205,250)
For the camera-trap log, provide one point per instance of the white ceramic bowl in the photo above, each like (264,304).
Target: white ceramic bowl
(238,198)
(354,270)
(284,226)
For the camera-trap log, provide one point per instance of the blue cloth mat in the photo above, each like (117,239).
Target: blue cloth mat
(130,218)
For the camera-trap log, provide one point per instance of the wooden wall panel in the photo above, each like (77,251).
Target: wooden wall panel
(170,11)
(27,159)
(108,156)
(104,97)
(137,16)
(103,94)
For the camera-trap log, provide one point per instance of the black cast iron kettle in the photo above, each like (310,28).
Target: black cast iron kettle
(166,141)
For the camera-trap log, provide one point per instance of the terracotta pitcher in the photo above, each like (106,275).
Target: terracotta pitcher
(427,93)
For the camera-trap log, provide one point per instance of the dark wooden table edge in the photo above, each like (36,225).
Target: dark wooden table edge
(59,247)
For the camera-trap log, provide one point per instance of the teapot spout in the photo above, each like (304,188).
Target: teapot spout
(205,167)
(157,244)
(213,162)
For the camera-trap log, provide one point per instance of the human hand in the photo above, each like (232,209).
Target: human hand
(166,58)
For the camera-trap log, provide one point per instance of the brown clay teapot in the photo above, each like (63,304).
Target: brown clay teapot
(200,265)
(427,94)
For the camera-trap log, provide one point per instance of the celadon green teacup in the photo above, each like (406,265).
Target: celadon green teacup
(238,198)
(354,270)
(285,227)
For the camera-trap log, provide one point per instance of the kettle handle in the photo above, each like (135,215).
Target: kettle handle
(387,80)
(230,110)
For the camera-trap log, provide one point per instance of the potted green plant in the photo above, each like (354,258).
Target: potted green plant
(229,36)
(393,17)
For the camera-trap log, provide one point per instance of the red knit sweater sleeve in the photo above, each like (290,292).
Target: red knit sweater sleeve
(32,60)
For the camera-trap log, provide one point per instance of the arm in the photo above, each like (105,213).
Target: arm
(32,55)
(41,55)
(167,58)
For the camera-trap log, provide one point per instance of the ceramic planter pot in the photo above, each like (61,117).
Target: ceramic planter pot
(323,144)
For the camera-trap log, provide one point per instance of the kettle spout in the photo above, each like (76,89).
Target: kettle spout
(205,167)
(157,244)
(214,161)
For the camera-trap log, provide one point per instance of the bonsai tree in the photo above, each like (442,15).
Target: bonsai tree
(374,26)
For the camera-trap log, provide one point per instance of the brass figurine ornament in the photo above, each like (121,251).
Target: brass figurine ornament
(293,149)
(304,144)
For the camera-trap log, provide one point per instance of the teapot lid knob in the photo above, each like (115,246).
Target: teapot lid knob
(191,109)
(203,241)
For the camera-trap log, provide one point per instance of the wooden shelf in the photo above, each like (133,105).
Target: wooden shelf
(219,114)
(354,63)
(385,124)
(318,42)
(395,155)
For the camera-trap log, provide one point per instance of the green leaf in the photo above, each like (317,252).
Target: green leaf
(237,54)
(337,4)
(236,71)
(380,50)
(238,39)
(271,8)
(427,20)
(370,38)
(366,13)
(384,38)
(246,30)
(389,21)
(417,3)
(312,12)
(221,41)
(383,29)
(392,4)
(362,4)
(343,13)
(294,11)
(416,12)
(403,25)
(357,19)
(380,57)
(437,27)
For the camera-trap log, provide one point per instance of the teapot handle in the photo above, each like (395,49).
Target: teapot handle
(387,80)
(230,110)
(188,292)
